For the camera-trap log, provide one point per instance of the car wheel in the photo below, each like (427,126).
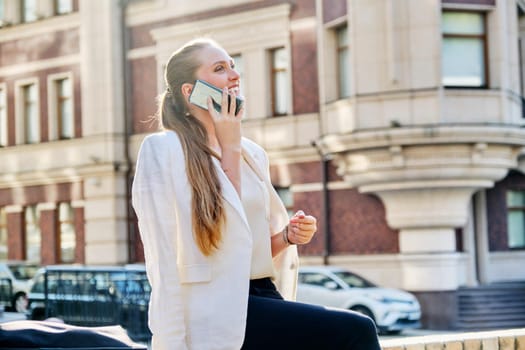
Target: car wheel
(364,311)
(20,302)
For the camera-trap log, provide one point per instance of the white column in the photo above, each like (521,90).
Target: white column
(105,215)
(469,246)
(426,218)
(103,126)
(101,55)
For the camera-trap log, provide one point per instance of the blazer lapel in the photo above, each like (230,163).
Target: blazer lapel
(250,158)
(229,193)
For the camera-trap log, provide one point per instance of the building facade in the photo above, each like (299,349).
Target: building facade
(399,124)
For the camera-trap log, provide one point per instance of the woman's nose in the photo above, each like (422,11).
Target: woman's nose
(234,75)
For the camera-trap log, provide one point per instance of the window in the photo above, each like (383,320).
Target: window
(314,279)
(67,234)
(64,108)
(3,234)
(516,219)
(32,233)
(353,280)
(287,198)
(464,49)
(343,66)
(30,114)
(63,6)
(29,8)
(280,95)
(3,117)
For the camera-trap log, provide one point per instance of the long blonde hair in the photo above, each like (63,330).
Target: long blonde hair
(207,205)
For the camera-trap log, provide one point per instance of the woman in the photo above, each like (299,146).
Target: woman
(217,239)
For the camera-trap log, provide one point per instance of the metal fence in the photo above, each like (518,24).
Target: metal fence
(96,297)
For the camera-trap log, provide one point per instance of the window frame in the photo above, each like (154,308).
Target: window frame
(54,111)
(339,74)
(20,117)
(273,73)
(329,60)
(31,119)
(483,37)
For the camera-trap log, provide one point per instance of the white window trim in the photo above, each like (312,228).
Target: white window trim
(4,128)
(20,126)
(52,122)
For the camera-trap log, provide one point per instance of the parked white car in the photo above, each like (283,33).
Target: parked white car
(392,310)
(16,279)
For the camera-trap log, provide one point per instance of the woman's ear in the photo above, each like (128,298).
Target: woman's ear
(186,89)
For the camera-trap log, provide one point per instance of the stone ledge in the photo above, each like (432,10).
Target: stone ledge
(511,339)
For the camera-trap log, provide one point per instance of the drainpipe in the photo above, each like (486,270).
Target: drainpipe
(126,81)
(325,203)
(323,158)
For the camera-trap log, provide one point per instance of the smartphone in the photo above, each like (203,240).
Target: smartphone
(201,91)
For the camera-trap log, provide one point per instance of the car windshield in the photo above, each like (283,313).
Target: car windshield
(353,280)
(23,272)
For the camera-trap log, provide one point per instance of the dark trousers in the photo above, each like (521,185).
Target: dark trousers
(274,323)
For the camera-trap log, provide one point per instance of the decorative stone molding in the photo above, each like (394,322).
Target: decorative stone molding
(426,177)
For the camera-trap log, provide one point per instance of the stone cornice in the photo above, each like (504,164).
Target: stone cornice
(423,135)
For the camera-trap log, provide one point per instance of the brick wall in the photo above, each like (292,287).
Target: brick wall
(333,9)
(357,221)
(15,237)
(144,92)
(49,251)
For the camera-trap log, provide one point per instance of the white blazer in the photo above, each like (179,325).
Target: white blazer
(199,302)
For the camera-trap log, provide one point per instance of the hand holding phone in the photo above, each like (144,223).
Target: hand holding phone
(200,92)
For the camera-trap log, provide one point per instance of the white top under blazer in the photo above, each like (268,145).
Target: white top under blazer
(199,302)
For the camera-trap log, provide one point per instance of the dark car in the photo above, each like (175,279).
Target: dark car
(93,296)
